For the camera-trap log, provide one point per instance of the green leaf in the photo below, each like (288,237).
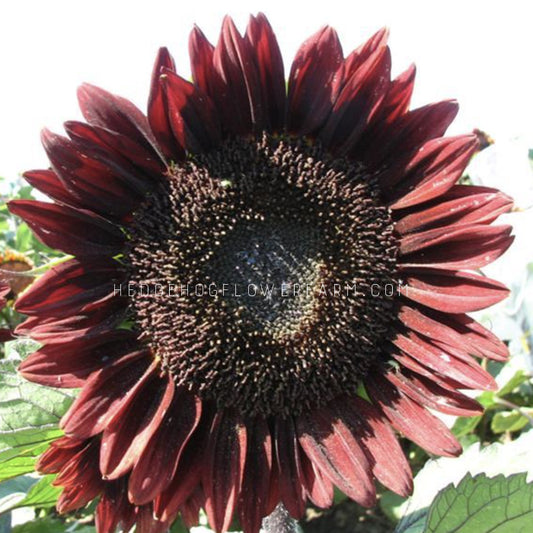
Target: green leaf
(508,421)
(178,527)
(21,458)
(391,504)
(519,377)
(465,425)
(507,459)
(14,491)
(480,503)
(20,348)
(52,525)
(29,416)
(487,399)
(41,494)
(23,238)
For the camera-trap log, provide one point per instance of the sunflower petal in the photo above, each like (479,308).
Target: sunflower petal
(413,420)
(331,445)
(157,465)
(264,46)
(462,205)
(451,291)
(255,487)
(129,430)
(290,475)
(191,114)
(69,364)
(223,472)
(101,108)
(157,107)
(389,464)
(70,230)
(72,286)
(310,81)
(92,410)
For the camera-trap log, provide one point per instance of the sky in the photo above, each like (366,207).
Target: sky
(478,52)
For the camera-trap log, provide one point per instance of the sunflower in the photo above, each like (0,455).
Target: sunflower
(266,282)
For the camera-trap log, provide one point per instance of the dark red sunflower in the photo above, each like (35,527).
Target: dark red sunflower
(265,284)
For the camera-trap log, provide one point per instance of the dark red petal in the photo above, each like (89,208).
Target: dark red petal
(69,364)
(311,97)
(433,170)
(96,176)
(357,101)
(264,46)
(331,445)
(72,286)
(106,317)
(201,54)
(190,510)
(413,420)
(470,207)
(360,55)
(59,453)
(84,456)
(442,327)
(428,393)
(253,498)
(406,135)
(409,363)
(157,465)
(146,523)
(48,183)
(415,242)
(273,494)
(451,291)
(157,107)
(6,334)
(80,471)
(193,119)
(70,230)
(101,108)
(238,95)
(187,478)
(398,98)
(290,475)
(442,360)
(389,465)
(114,508)
(480,340)
(224,469)
(464,247)
(127,158)
(318,487)
(133,424)
(103,394)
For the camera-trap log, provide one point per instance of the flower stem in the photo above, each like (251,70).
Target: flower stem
(280,521)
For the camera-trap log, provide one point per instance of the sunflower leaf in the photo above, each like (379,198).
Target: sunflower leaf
(480,503)
(29,416)
(508,421)
(497,459)
(50,524)
(41,494)
(516,380)
(14,491)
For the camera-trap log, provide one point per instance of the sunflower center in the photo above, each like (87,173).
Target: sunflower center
(266,269)
(262,275)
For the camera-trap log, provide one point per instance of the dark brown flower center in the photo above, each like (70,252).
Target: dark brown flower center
(262,275)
